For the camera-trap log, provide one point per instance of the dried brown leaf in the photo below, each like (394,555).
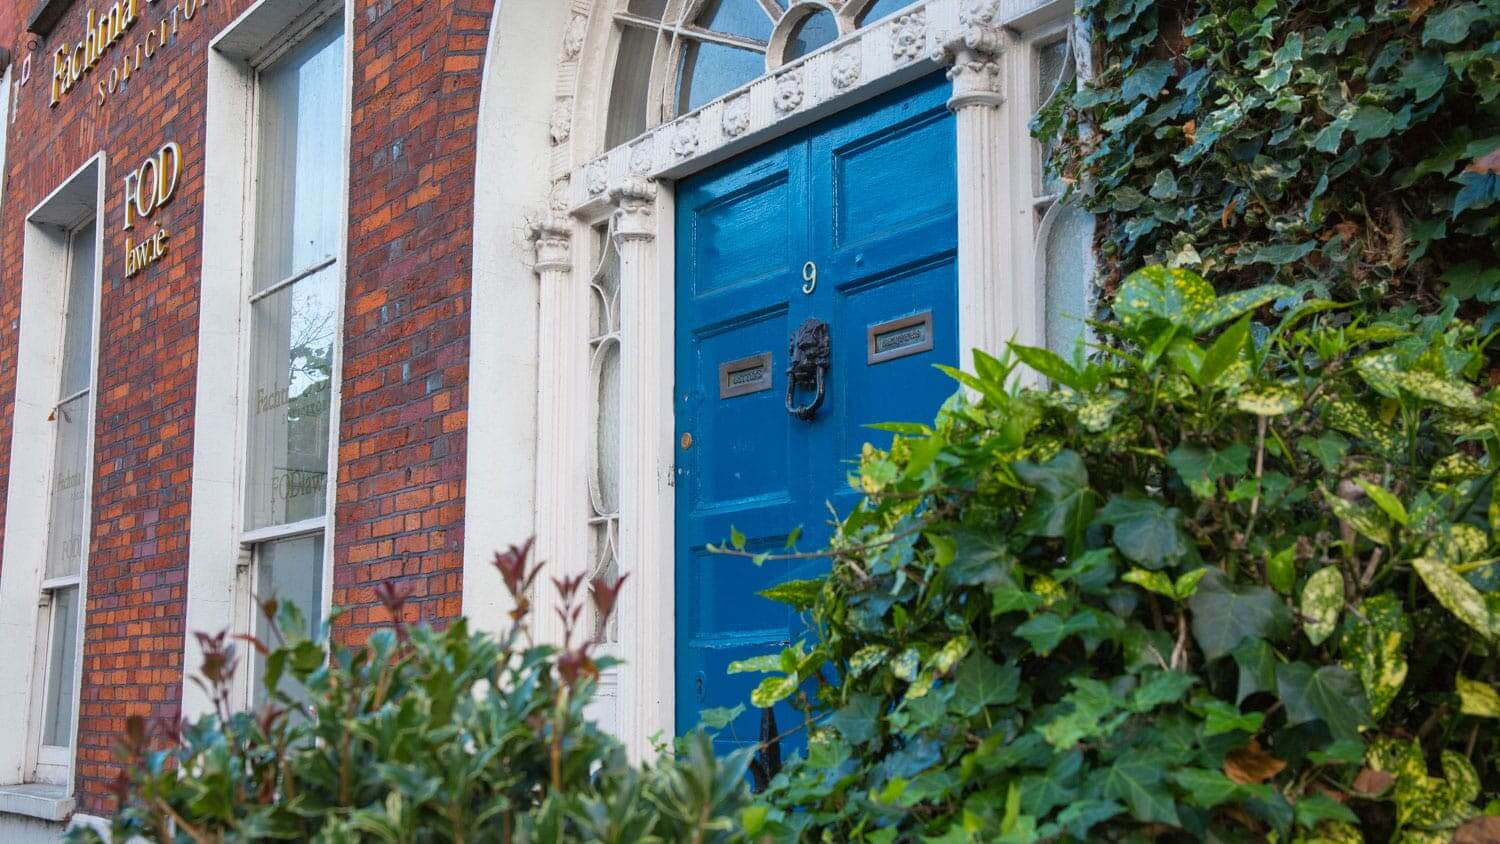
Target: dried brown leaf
(1417,8)
(1251,765)
(1484,830)
(1371,782)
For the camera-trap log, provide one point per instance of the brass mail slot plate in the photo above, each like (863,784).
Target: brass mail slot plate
(745,376)
(900,337)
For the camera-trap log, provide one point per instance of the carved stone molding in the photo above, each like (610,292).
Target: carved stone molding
(974,50)
(635,210)
(737,116)
(909,38)
(847,68)
(550,235)
(789,91)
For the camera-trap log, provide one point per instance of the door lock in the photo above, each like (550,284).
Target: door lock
(811,353)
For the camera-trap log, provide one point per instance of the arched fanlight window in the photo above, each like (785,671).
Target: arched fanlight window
(673,56)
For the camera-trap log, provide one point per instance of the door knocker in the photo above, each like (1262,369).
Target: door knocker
(810,354)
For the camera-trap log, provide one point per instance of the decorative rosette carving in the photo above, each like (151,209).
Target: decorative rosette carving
(909,36)
(685,139)
(789,93)
(848,66)
(737,116)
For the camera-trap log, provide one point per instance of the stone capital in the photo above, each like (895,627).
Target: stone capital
(973,52)
(634,202)
(551,237)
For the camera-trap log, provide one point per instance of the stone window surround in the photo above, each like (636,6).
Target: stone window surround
(45,257)
(986,47)
(220,577)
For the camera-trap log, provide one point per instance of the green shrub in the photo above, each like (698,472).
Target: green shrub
(419,735)
(1233,581)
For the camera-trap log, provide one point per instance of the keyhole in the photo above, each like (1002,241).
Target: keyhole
(809,277)
(698,682)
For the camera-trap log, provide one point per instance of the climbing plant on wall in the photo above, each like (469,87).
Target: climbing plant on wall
(1350,149)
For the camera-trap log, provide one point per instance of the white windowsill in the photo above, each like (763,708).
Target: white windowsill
(34,800)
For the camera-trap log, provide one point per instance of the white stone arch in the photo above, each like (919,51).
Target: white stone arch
(542,169)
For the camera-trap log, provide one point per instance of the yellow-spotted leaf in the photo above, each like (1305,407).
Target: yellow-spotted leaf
(1363,521)
(1151,581)
(944,660)
(1322,602)
(866,658)
(773,690)
(905,666)
(1272,400)
(1456,467)
(1477,698)
(1097,413)
(1374,647)
(1355,420)
(1461,544)
(1179,296)
(1457,595)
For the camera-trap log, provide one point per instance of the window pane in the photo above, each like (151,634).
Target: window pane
(816,30)
(291,570)
(78,325)
(68,516)
(1052,63)
(292,375)
(607,428)
(711,70)
(57,727)
(630,94)
(1066,277)
(301,157)
(746,18)
(883,9)
(652,9)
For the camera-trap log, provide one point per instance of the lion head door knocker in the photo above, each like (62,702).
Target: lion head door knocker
(811,354)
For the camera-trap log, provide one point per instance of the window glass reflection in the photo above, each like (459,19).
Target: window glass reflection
(817,30)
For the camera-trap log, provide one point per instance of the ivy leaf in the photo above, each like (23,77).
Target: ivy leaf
(1424,75)
(1279,254)
(1322,602)
(1064,504)
(857,721)
(1201,467)
(1451,26)
(1476,698)
(1046,631)
(1208,789)
(1457,595)
(1331,694)
(1136,782)
(1329,448)
(1313,809)
(1373,645)
(1147,81)
(1221,716)
(1225,613)
(801,595)
(1371,122)
(980,683)
(1145,530)
(1165,187)
(1470,280)
(1257,663)
(1161,687)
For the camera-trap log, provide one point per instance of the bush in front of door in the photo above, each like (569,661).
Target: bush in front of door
(1238,579)
(418,735)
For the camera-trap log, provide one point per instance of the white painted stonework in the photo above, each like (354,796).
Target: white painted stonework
(986,47)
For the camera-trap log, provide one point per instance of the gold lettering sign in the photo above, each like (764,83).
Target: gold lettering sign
(70,64)
(148,188)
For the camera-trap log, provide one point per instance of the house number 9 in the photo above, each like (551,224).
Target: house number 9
(809,277)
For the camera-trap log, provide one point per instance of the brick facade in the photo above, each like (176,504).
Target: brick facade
(400,486)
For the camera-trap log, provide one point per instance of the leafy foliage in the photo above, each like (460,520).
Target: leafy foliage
(1258,600)
(419,735)
(1347,148)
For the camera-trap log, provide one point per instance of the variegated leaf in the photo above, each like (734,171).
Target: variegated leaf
(1097,413)
(1457,466)
(1457,595)
(1322,602)
(1362,520)
(1478,699)
(1226,308)
(866,658)
(905,666)
(1179,296)
(1373,645)
(1462,543)
(1272,400)
(773,690)
(1355,420)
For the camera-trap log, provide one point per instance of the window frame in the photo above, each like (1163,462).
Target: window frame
(45,763)
(252,542)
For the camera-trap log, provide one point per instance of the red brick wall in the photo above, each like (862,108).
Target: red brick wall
(402,435)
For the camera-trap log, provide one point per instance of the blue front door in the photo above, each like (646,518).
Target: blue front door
(851,222)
